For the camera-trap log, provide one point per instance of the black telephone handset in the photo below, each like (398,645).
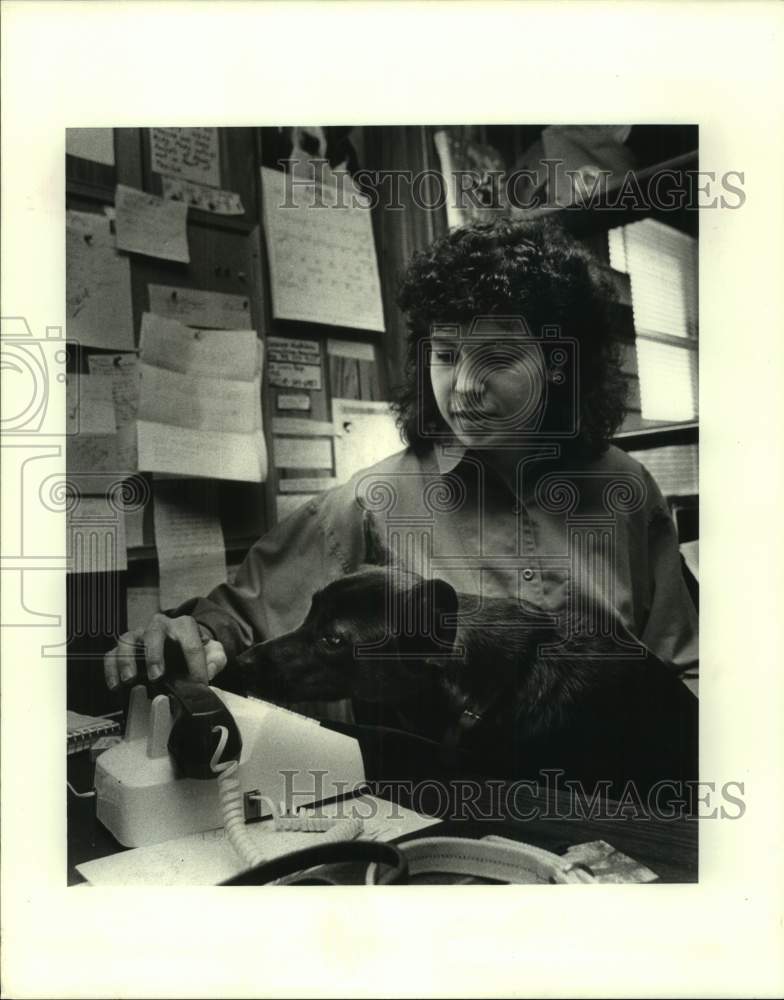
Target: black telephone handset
(204,738)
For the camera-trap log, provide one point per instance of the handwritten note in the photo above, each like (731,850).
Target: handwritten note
(150,225)
(200,402)
(96,144)
(293,401)
(365,433)
(350,349)
(193,307)
(322,259)
(207,199)
(99,312)
(143,603)
(123,370)
(97,227)
(188,153)
(197,401)
(92,459)
(226,353)
(189,540)
(303,453)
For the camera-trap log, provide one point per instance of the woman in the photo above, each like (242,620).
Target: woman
(509,485)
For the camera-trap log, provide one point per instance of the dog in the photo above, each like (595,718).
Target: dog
(510,690)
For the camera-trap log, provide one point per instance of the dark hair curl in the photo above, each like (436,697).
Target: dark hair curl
(506,268)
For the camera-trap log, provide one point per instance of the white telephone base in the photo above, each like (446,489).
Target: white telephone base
(286,757)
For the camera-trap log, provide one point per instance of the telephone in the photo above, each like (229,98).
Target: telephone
(194,758)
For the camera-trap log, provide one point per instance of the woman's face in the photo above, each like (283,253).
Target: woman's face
(490,386)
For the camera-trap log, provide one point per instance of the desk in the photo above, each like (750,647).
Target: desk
(667,847)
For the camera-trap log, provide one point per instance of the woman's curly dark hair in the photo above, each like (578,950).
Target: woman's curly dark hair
(506,268)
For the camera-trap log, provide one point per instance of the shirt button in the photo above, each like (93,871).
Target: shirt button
(528,575)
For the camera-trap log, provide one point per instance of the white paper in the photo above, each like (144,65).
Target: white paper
(149,225)
(143,603)
(293,401)
(200,402)
(89,404)
(210,454)
(302,426)
(189,540)
(306,352)
(96,144)
(207,199)
(303,453)
(97,227)
(293,376)
(123,370)
(208,858)
(193,307)
(350,349)
(190,153)
(166,343)
(197,401)
(99,311)
(365,433)
(322,261)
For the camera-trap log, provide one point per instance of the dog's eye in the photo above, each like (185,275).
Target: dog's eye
(333,641)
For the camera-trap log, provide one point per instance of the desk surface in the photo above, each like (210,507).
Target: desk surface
(544,818)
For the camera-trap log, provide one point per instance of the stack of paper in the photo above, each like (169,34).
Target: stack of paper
(200,402)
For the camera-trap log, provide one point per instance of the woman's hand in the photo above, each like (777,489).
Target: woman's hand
(204,656)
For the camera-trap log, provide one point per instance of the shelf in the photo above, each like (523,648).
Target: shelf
(603,215)
(658,437)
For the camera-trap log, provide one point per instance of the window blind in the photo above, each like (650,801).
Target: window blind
(662,266)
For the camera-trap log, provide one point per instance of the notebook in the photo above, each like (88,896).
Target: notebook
(84,730)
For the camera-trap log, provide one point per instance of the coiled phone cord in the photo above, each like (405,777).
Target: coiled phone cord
(233,811)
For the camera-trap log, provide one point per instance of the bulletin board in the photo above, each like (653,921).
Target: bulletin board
(182,532)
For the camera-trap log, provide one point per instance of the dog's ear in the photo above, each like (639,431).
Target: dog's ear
(431,612)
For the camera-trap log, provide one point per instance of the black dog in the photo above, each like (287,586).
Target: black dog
(510,686)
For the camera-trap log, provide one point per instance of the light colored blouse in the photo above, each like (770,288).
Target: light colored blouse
(595,536)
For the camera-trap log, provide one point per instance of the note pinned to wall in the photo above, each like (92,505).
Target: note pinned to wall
(92,458)
(97,227)
(350,349)
(193,307)
(200,402)
(226,353)
(207,199)
(123,370)
(189,153)
(303,453)
(96,144)
(99,310)
(294,363)
(152,226)
(143,603)
(189,540)
(365,433)
(322,256)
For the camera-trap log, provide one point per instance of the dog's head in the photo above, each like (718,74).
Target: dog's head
(368,635)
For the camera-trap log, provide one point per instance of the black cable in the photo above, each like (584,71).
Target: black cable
(396,863)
